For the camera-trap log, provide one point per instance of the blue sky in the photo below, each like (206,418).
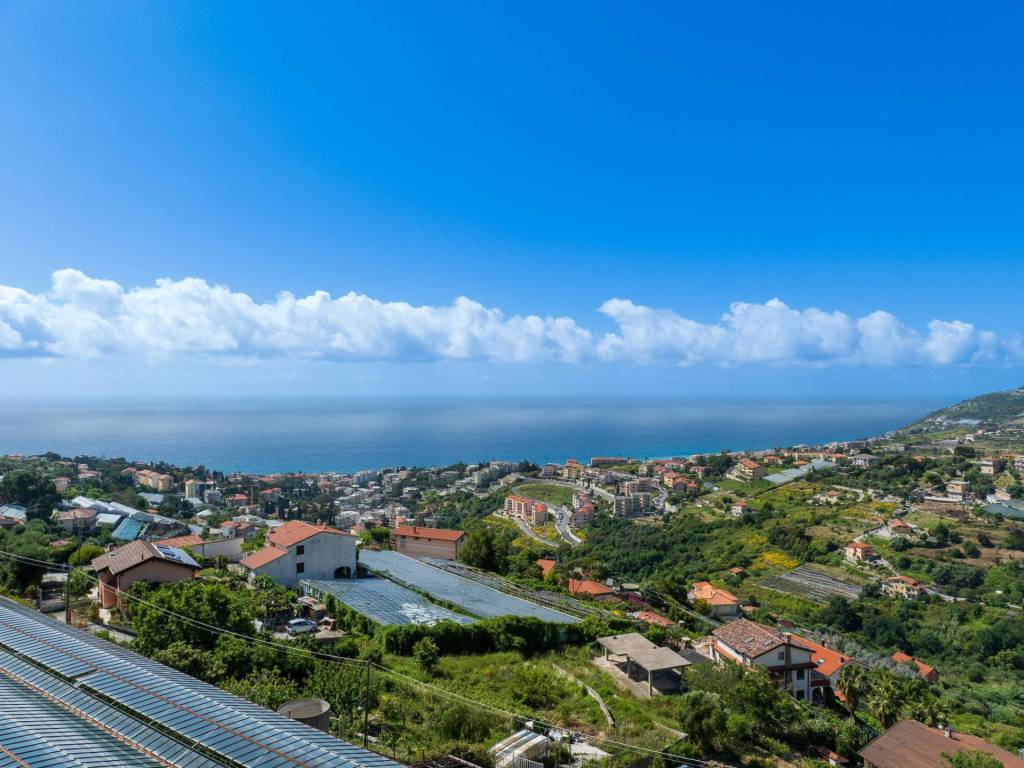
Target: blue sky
(853,158)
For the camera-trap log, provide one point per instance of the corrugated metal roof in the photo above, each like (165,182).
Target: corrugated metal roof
(225,725)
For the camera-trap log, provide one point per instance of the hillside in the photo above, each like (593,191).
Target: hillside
(995,409)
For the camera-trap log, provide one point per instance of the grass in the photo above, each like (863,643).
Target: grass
(546,492)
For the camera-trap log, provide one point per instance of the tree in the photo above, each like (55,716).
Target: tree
(975,759)
(852,684)
(704,718)
(482,549)
(36,493)
(210,604)
(885,699)
(426,654)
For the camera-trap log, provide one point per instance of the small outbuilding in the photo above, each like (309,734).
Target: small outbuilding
(635,654)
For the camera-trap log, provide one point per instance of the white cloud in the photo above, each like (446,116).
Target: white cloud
(83,317)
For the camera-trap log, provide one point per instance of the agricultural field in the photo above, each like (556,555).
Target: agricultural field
(811,584)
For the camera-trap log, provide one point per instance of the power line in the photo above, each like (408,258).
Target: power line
(434,689)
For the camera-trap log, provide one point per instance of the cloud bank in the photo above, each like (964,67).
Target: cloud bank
(84,317)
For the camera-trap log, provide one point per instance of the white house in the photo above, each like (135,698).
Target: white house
(748,643)
(298,550)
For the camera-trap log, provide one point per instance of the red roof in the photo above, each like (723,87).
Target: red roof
(712,595)
(416,532)
(191,540)
(588,587)
(263,556)
(546,566)
(858,545)
(654,618)
(923,669)
(829,661)
(295,531)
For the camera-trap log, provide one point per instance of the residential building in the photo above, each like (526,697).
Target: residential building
(12,515)
(583,516)
(720,602)
(546,565)
(910,744)
(417,541)
(632,505)
(828,664)
(298,550)
(62,483)
(77,519)
(607,461)
(588,588)
(212,496)
(925,671)
(158,481)
(858,551)
(639,485)
(579,498)
(572,470)
(747,470)
(751,644)
(529,511)
(990,465)
(864,460)
(902,587)
(739,508)
(957,489)
(207,549)
(119,568)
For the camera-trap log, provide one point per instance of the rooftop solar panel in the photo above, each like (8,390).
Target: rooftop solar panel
(226,725)
(477,599)
(385,601)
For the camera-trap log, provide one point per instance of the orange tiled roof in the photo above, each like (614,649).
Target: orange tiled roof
(420,532)
(546,565)
(295,531)
(191,540)
(588,587)
(712,595)
(923,669)
(829,661)
(263,556)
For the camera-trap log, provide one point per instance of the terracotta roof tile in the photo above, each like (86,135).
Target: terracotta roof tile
(910,744)
(295,531)
(263,556)
(420,532)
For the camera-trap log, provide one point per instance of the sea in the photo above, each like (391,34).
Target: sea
(345,435)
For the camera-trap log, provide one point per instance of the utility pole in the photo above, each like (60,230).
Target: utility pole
(366,706)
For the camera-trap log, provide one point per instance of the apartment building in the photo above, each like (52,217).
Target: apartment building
(521,508)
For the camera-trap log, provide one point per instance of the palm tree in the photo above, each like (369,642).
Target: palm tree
(885,700)
(928,710)
(852,684)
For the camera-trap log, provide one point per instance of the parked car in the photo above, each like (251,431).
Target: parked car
(301,626)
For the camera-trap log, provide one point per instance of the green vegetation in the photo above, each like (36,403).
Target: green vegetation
(549,493)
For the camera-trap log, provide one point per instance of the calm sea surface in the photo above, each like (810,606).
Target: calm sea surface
(345,435)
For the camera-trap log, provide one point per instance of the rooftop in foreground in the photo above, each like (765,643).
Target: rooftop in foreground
(71,699)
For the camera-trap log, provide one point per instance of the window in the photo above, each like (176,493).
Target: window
(799,674)
(782,655)
(300,567)
(800,693)
(301,549)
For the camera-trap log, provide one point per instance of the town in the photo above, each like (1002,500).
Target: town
(851,603)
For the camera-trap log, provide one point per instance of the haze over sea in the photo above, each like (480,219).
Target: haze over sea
(317,435)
